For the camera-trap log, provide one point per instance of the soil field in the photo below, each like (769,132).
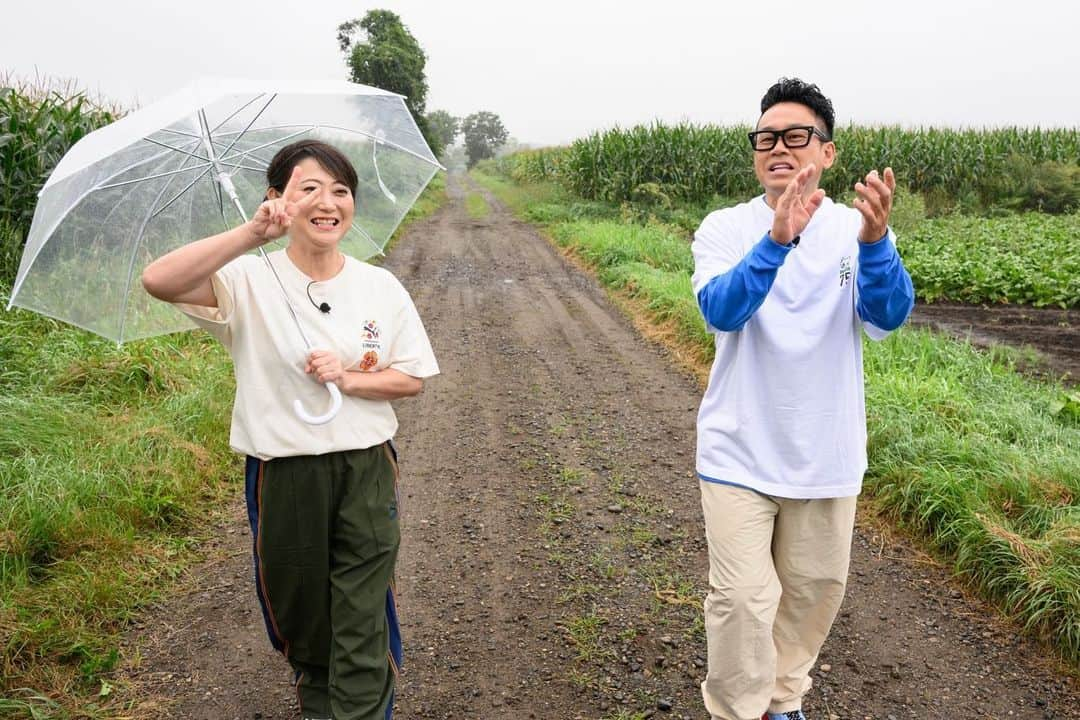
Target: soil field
(1053,333)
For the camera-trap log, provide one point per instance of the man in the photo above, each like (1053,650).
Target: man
(787,282)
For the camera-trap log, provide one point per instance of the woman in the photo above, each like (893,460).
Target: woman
(321,498)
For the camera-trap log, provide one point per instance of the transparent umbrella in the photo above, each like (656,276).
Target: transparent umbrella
(192,165)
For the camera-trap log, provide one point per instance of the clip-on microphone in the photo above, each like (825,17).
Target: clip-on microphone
(323,307)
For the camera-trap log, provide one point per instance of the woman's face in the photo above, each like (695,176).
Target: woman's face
(324,222)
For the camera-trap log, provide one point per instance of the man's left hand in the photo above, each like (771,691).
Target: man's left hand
(874,201)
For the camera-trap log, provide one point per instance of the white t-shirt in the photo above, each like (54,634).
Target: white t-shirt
(784,413)
(372,324)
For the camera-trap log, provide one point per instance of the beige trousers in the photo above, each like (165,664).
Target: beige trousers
(777,572)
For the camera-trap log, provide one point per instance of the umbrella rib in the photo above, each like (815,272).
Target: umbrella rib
(208,143)
(180,194)
(150,215)
(115,207)
(246,127)
(250,154)
(123,170)
(383,141)
(239,110)
(245,167)
(179,132)
(242,153)
(176,149)
(152,177)
(373,136)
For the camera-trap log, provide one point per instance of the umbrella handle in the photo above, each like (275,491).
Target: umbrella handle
(335,405)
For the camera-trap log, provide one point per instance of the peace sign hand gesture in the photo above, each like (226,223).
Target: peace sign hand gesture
(793,211)
(274,216)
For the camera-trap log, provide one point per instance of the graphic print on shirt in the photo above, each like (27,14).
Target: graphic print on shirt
(369,334)
(845,270)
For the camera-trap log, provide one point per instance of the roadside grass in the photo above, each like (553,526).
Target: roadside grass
(969,452)
(476,206)
(980,461)
(521,197)
(433,198)
(114,468)
(110,459)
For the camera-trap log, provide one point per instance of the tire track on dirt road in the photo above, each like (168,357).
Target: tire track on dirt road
(553,563)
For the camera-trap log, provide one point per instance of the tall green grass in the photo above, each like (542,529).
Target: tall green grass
(109,459)
(972,454)
(982,461)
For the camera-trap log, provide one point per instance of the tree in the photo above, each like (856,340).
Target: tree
(484,133)
(444,126)
(389,58)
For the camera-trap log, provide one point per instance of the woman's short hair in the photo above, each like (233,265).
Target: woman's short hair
(329,157)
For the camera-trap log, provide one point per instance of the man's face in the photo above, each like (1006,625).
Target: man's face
(776,167)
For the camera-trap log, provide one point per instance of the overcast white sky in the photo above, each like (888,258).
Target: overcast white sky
(557,70)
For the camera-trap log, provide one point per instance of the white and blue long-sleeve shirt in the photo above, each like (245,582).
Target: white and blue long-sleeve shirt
(784,412)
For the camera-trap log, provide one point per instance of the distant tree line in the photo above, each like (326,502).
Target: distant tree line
(387,56)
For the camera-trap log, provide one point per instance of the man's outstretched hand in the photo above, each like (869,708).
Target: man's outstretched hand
(793,211)
(874,201)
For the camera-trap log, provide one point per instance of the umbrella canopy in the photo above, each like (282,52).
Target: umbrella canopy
(190,166)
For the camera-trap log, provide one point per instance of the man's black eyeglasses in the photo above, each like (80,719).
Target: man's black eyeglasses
(793,137)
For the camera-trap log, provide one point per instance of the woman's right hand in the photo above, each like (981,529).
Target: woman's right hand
(274,216)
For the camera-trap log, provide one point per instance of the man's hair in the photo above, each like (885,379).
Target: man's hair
(797,91)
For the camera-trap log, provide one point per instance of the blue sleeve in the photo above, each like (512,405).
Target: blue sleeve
(886,295)
(727,301)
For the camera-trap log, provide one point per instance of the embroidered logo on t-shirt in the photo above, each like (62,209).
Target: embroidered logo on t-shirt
(370,330)
(845,270)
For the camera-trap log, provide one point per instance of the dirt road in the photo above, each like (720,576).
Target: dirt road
(553,563)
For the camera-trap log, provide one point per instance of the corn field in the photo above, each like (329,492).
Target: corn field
(694,163)
(37,126)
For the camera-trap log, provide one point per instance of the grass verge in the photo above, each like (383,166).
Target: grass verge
(109,458)
(476,206)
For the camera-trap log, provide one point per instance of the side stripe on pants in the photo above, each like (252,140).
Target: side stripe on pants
(252,480)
